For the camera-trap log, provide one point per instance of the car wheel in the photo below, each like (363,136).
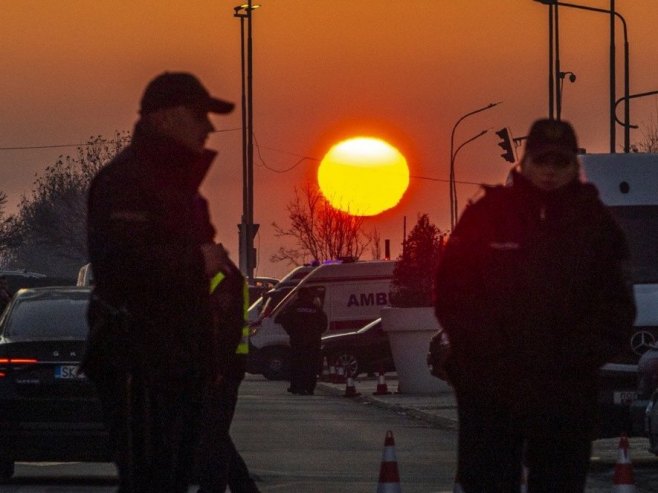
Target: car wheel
(276,363)
(6,469)
(349,362)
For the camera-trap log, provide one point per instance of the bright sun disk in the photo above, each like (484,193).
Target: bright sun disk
(363,176)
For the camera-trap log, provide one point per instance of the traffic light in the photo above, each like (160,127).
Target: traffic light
(507,144)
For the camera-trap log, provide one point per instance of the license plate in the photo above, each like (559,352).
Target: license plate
(67,372)
(624,397)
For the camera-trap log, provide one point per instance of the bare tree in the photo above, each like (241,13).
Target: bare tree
(320,231)
(376,245)
(649,142)
(48,233)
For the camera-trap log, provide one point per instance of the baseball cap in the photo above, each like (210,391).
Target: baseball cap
(171,89)
(551,137)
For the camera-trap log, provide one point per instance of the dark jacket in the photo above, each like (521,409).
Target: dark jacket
(304,322)
(146,222)
(532,293)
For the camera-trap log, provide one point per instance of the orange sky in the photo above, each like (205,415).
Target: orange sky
(324,70)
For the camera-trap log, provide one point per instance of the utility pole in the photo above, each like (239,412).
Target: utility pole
(247,229)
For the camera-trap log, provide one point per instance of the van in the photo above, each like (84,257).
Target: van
(628,185)
(351,294)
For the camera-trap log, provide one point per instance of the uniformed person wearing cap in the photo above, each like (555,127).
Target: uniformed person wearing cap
(532,294)
(152,253)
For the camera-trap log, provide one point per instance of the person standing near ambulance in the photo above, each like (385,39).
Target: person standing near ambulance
(532,292)
(151,248)
(304,321)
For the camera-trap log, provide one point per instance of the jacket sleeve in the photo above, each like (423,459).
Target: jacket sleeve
(458,298)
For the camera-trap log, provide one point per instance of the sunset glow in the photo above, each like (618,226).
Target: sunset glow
(363,176)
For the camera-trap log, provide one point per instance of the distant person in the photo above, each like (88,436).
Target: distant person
(5,293)
(220,463)
(532,292)
(304,321)
(152,253)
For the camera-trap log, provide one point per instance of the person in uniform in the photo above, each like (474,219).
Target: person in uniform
(152,253)
(532,293)
(220,463)
(304,321)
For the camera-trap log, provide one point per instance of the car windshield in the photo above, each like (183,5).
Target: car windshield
(640,224)
(48,318)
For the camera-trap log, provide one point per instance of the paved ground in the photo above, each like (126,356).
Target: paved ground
(441,411)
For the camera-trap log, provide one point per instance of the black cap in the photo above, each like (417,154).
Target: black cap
(180,89)
(551,136)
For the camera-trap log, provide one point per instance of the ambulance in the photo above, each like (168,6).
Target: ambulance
(351,294)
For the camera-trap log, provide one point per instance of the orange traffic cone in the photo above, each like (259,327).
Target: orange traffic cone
(340,375)
(623,480)
(324,376)
(382,388)
(350,389)
(389,476)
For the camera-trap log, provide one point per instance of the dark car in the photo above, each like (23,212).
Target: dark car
(48,411)
(364,351)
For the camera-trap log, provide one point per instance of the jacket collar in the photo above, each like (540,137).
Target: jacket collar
(167,162)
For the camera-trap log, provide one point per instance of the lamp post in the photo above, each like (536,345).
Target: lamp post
(613,14)
(453,155)
(561,77)
(247,229)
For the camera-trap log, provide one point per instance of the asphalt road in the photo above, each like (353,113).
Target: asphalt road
(318,444)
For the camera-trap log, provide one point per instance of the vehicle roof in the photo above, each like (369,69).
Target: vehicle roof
(52,290)
(365,270)
(623,179)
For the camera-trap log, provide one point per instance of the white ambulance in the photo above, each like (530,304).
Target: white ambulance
(351,294)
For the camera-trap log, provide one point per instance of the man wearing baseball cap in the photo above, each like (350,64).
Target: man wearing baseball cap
(151,247)
(532,294)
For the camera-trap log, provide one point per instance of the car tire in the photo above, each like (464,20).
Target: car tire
(276,363)
(349,362)
(6,470)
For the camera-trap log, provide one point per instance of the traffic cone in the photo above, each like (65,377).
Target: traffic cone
(350,389)
(340,375)
(324,376)
(389,476)
(382,388)
(623,480)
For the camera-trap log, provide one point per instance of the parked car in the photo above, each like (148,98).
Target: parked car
(363,351)
(48,411)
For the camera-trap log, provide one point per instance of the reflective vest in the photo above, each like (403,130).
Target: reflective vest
(243,346)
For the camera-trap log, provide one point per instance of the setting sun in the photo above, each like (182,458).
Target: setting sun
(363,176)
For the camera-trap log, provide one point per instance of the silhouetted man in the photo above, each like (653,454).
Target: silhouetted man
(152,253)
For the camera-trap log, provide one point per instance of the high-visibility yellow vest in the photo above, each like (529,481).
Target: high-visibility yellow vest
(243,346)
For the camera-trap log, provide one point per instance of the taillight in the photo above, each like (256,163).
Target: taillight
(8,363)
(18,361)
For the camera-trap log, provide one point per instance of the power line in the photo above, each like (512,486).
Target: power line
(86,144)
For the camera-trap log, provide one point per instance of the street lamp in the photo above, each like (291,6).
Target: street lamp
(453,155)
(562,76)
(613,14)
(247,229)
